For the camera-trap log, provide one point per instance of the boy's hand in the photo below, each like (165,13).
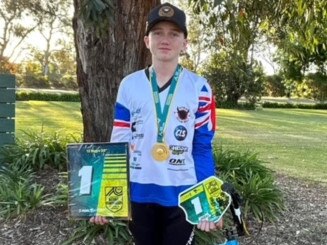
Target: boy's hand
(99,220)
(208,226)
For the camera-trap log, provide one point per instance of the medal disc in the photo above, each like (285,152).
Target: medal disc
(160,152)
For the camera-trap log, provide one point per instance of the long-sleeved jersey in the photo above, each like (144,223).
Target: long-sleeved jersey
(188,133)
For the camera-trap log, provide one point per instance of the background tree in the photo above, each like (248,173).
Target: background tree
(232,30)
(109,45)
(57,20)
(61,65)
(298,29)
(14,27)
(196,49)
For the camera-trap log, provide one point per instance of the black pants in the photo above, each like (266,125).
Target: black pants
(153,224)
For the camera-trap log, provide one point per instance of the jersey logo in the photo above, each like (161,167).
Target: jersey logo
(182,114)
(180,133)
(174,161)
(178,149)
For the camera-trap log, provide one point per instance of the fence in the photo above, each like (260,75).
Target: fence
(7,109)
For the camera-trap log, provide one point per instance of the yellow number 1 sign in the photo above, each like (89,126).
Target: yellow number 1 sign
(205,201)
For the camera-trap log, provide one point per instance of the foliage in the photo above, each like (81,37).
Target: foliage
(116,232)
(7,67)
(317,106)
(57,21)
(61,195)
(18,191)
(317,82)
(232,29)
(202,237)
(13,15)
(298,29)
(97,14)
(40,68)
(274,86)
(38,150)
(253,180)
(238,106)
(58,71)
(232,77)
(42,96)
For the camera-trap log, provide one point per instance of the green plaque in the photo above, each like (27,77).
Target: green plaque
(205,201)
(98,179)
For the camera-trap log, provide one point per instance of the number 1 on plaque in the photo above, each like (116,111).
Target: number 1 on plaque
(86,180)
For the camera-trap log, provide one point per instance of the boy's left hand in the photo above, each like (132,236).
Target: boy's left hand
(209,226)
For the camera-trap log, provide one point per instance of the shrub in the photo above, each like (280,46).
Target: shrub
(37,150)
(239,106)
(42,96)
(254,181)
(116,232)
(317,106)
(18,192)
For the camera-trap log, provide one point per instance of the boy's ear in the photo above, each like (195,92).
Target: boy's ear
(146,41)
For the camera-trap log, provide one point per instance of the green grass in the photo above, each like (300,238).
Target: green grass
(49,116)
(290,141)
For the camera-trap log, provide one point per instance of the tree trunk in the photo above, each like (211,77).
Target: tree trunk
(103,62)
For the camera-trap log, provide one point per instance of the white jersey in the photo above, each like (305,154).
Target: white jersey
(188,133)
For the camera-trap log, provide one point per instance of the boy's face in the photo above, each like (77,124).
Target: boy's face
(165,41)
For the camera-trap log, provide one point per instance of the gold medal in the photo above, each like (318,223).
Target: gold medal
(160,152)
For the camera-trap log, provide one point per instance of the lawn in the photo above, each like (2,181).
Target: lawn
(50,116)
(291,141)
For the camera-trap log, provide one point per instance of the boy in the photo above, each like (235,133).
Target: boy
(167,114)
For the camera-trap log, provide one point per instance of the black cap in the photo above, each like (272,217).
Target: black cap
(166,12)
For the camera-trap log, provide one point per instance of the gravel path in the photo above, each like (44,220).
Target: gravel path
(304,221)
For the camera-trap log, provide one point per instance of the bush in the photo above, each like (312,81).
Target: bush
(18,191)
(37,150)
(274,86)
(41,96)
(254,181)
(116,232)
(239,106)
(317,106)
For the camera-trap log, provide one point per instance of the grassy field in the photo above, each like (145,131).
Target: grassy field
(49,116)
(291,141)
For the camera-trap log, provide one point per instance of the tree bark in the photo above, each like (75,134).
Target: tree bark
(103,62)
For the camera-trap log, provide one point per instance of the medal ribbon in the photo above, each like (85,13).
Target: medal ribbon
(162,114)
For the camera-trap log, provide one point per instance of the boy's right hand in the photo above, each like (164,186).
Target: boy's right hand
(99,220)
